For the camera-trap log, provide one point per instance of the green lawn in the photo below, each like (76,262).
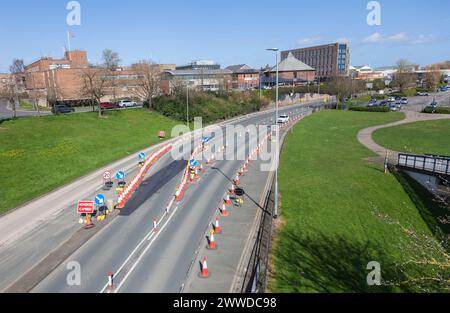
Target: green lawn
(430,137)
(38,155)
(330,197)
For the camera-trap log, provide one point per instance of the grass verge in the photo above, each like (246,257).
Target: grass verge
(331,196)
(429,137)
(38,155)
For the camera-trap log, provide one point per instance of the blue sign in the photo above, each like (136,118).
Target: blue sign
(142,155)
(100,199)
(193,163)
(205,139)
(120,175)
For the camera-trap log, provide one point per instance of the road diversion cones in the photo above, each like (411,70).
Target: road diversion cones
(202,169)
(224,211)
(217,227)
(232,190)
(227,200)
(204,273)
(110,281)
(212,241)
(237,180)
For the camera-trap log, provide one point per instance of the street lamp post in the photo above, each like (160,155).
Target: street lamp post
(187,104)
(277,150)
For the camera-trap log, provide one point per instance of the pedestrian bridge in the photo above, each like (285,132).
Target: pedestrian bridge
(435,165)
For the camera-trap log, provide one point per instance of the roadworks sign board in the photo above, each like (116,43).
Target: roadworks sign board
(85,207)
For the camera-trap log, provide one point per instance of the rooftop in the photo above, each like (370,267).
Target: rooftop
(292,64)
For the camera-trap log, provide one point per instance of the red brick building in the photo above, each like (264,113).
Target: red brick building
(291,72)
(244,77)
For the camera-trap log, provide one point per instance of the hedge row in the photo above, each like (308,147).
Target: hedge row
(438,110)
(370,109)
(210,106)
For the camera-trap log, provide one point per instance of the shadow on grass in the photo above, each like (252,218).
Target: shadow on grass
(429,209)
(329,264)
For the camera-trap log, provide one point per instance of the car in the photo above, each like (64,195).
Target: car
(62,109)
(434,104)
(394,107)
(283,119)
(422,94)
(384,103)
(127,104)
(107,106)
(391,99)
(445,88)
(404,101)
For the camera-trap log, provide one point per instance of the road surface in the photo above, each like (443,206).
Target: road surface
(174,246)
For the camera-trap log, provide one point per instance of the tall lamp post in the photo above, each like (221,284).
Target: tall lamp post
(277,150)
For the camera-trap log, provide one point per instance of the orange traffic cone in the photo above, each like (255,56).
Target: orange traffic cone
(110,280)
(204,272)
(233,189)
(217,226)
(224,210)
(212,242)
(202,169)
(208,161)
(237,180)
(227,200)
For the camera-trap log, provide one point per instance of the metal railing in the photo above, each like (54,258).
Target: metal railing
(432,164)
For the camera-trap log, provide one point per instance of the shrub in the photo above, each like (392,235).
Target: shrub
(438,110)
(370,109)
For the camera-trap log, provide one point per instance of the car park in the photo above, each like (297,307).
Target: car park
(62,109)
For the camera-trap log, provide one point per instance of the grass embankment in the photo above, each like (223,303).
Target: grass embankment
(330,197)
(38,155)
(429,137)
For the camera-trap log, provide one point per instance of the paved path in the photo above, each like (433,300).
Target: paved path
(365,135)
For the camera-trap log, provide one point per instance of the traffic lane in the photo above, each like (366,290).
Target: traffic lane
(17,259)
(112,245)
(165,266)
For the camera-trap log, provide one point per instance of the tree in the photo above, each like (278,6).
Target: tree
(148,81)
(341,87)
(94,84)
(110,59)
(433,76)
(12,91)
(404,75)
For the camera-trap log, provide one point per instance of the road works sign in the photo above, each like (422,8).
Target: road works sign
(86,207)
(100,199)
(142,156)
(120,175)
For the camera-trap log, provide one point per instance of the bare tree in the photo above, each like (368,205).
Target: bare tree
(404,75)
(433,76)
(13,88)
(94,84)
(342,87)
(110,59)
(148,81)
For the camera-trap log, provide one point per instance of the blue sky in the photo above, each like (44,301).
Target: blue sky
(229,32)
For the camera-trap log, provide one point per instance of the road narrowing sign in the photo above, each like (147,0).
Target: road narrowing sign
(100,199)
(107,175)
(85,207)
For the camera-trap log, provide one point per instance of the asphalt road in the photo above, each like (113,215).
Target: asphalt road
(162,261)
(418,103)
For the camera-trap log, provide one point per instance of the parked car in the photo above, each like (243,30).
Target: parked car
(394,107)
(404,101)
(434,104)
(283,119)
(384,103)
(127,104)
(107,106)
(445,88)
(391,99)
(62,109)
(422,94)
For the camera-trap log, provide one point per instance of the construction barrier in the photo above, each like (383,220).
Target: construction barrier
(136,181)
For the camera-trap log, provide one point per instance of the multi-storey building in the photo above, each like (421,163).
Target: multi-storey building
(329,60)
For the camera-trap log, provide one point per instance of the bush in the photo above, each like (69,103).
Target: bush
(438,110)
(210,106)
(370,109)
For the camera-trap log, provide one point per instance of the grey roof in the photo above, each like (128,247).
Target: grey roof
(238,68)
(198,72)
(291,64)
